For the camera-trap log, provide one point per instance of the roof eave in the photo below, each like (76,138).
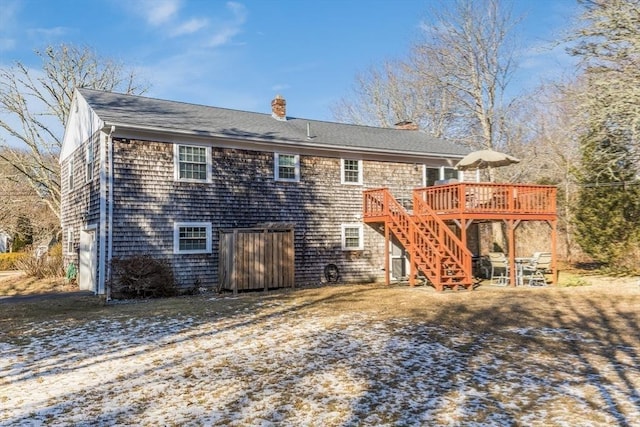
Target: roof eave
(157,131)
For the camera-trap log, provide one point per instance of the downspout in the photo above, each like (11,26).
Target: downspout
(110,212)
(102,263)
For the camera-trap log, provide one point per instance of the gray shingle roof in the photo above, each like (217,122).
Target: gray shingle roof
(171,116)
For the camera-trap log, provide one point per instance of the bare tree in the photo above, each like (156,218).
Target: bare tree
(19,199)
(453,81)
(394,92)
(35,105)
(468,51)
(608,45)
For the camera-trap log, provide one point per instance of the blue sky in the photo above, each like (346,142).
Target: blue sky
(239,54)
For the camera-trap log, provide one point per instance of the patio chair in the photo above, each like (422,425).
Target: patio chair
(499,268)
(535,272)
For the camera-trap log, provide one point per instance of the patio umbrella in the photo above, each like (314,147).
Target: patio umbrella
(485,159)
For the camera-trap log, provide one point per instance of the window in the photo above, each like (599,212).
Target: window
(351,171)
(192,237)
(70,240)
(287,167)
(352,239)
(436,174)
(450,173)
(89,161)
(192,163)
(432,175)
(70,173)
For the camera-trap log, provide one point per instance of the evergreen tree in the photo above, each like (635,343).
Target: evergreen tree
(607,217)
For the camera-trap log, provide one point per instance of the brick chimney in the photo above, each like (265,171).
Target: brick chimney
(406,125)
(279,108)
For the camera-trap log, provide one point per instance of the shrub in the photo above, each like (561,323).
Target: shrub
(141,276)
(43,266)
(8,261)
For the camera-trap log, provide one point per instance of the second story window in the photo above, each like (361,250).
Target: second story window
(90,158)
(433,175)
(192,163)
(351,171)
(70,173)
(286,167)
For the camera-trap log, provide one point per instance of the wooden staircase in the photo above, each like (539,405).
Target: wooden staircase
(433,248)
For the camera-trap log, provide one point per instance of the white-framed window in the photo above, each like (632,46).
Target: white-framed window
(286,167)
(433,174)
(70,245)
(352,237)
(70,173)
(192,163)
(192,237)
(351,171)
(90,159)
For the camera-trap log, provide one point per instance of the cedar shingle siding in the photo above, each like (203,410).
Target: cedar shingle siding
(243,193)
(80,205)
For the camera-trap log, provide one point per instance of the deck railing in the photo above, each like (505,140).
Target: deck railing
(484,197)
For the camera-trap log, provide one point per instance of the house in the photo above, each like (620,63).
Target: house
(175,180)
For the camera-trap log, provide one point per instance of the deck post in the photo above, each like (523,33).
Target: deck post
(554,253)
(511,232)
(387,265)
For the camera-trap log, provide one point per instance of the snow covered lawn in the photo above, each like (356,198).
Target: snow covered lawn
(337,356)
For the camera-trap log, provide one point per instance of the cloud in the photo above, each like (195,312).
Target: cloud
(280,87)
(189,27)
(225,31)
(48,33)
(158,12)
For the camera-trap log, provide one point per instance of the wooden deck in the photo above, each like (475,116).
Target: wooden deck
(467,202)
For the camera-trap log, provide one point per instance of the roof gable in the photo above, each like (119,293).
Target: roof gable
(82,123)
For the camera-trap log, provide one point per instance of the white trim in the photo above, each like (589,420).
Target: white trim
(276,167)
(176,237)
(342,172)
(360,236)
(176,163)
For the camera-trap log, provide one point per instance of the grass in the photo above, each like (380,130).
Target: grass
(566,354)
(17,283)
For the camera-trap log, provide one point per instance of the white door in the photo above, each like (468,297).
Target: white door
(88,253)
(399,261)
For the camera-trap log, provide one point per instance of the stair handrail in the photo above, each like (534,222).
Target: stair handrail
(453,246)
(421,245)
